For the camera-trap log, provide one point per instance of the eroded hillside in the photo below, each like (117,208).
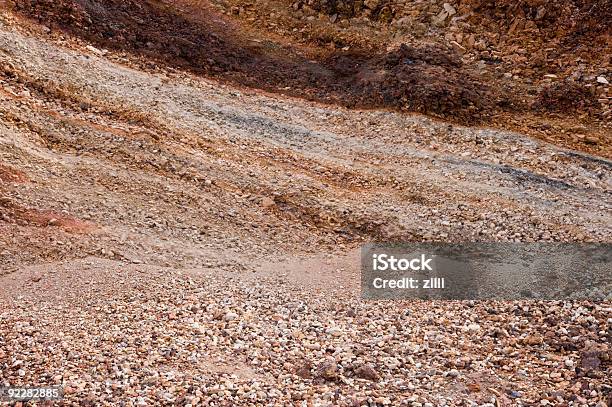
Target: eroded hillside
(183,195)
(539,68)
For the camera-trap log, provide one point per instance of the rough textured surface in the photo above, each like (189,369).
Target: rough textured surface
(161,238)
(500,63)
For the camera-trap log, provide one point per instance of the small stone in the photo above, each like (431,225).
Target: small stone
(458,47)
(602,80)
(367,372)
(312,346)
(94,50)
(514,394)
(449,9)
(440,19)
(533,340)
(267,202)
(592,355)
(335,332)
(473,328)
(473,387)
(304,370)
(230,316)
(372,4)
(453,373)
(328,370)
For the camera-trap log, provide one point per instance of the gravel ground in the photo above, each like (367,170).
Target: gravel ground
(161,240)
(166,337)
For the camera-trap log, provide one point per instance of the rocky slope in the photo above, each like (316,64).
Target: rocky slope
(171,239)
(542,69)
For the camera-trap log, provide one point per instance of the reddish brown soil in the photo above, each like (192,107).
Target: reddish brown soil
(8,174)
(580,25)
(425,77)
(565,97)
(16,214)
(13,213)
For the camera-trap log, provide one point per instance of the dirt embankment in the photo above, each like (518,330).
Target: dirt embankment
(315,169)
(167,239)
(480,74)
(424,79)
(525,40)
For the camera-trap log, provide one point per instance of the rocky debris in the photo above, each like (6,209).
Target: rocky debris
(157,327)
(533,340)
(94,50)
(186,291)
(505,49)
(568,96)
(304,370)
(214,187)
(379,10)
(10,175)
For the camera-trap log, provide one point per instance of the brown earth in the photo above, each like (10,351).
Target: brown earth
(485,64)
(177,229)
(8,174)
